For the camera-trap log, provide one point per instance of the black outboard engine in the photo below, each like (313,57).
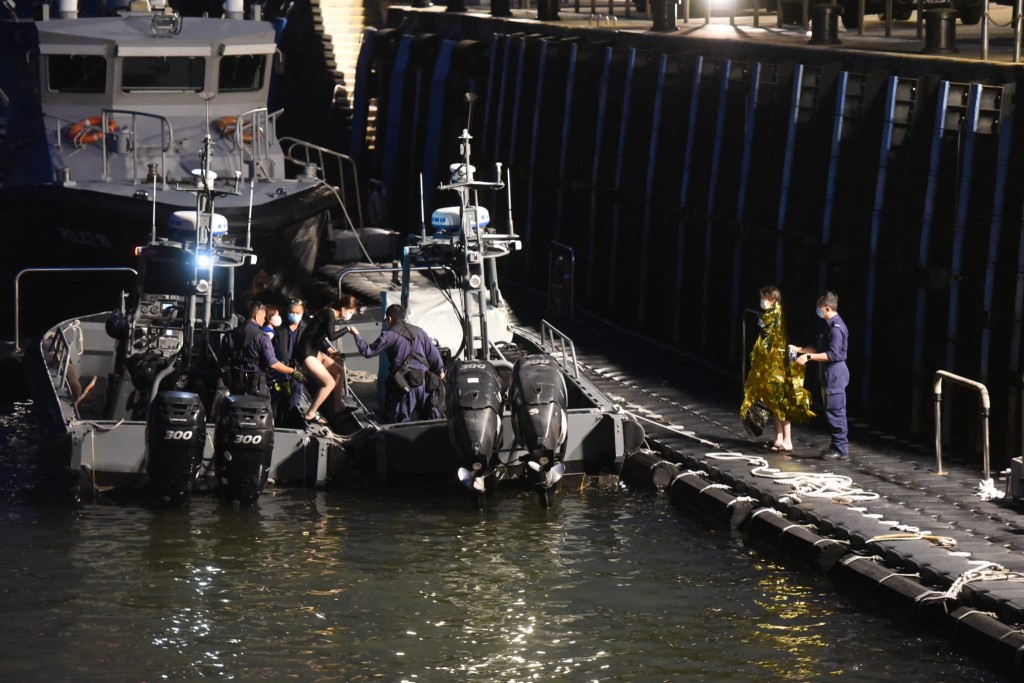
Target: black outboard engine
(538,399)
(243,446)
(175,437)
(474,419)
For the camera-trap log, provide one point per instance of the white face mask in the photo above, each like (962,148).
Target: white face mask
(765,304)
(347,315)
(275,320)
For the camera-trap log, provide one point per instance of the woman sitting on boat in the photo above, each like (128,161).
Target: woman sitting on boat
(316,354)
(774,383)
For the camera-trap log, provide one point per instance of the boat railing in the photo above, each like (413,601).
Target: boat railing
(385,269)
(985,409)
(336,169)
(25,271)
(122,126)
(126,140)
(254,136)
(62,358)
(560,347)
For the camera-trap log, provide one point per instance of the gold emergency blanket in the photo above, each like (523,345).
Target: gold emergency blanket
(773,379)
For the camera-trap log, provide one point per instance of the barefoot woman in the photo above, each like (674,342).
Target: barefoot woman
(319,357)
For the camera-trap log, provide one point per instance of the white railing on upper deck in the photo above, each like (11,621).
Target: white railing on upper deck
(254,136)
(564,351)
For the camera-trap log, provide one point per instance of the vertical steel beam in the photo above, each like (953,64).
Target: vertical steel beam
(432,143)
(627,96)
(787,169)
(395,109)
(501,98)
(969,129)
(922,254)
(602,106)
(489,105)
(741,198)
(684,200)
(652,155)
(994,236)
(563,152)
(709,224)
(830,179)
(520,67)
(877,208)
(535,133)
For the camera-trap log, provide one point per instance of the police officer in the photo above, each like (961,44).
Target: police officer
(286,339)
(250,354)
(411,352)
(833,342)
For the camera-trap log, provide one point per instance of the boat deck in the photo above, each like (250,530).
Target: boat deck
(890,549)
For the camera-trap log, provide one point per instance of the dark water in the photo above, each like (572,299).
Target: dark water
(607,586)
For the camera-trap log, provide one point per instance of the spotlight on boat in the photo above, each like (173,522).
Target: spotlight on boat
(474,420)
(538,399)
(243,445)
(175,437)
(203,260)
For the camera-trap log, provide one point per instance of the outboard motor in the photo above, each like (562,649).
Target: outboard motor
(243,446)
(175,437)
(538,399)
(474,419)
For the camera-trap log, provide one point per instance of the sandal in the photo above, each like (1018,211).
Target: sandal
(317,418)
(780,449)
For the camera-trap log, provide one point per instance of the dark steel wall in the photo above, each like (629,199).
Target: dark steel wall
(686,173)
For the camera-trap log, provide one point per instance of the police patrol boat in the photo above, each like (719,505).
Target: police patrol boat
(103,111)
(515,404)
(135,396)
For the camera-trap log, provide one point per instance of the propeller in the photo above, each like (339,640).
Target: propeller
(471,481)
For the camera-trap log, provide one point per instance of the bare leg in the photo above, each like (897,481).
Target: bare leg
(786,435)
(780,438)
(337,371)
(314,365)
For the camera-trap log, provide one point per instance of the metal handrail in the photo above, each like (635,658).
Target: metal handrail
(548,332)
(322,156)
(260,124)
(985,406)
(62,356)
(130,130)
(17,286)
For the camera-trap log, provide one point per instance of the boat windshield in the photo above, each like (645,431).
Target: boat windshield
(76,73)
(241,73)
(148,74)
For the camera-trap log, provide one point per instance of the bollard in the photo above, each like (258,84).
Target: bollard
(663,14)
(547,10)
(940,31)
(825,25)
(501,8)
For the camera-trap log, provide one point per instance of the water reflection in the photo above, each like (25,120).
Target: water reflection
(360,585)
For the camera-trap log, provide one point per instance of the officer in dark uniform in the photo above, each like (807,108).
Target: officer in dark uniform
(286,339)
(250,355)
(410,351)
(833,342)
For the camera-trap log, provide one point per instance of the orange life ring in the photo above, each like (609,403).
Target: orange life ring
(226,126)
(90,129)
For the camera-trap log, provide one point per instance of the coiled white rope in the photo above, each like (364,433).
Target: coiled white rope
(359,376)
(987,571)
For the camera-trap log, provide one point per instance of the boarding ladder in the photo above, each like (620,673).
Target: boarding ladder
(560,347)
